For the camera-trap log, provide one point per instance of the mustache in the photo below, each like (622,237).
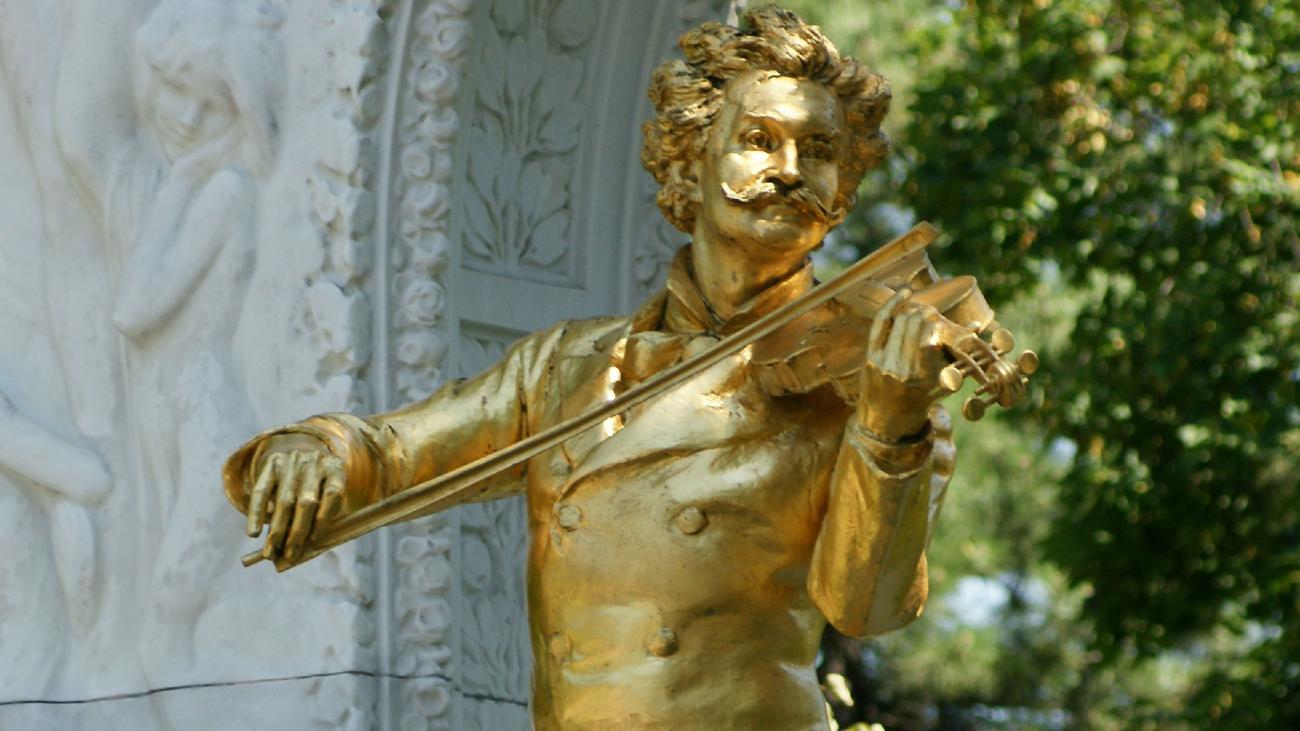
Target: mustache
(765,192)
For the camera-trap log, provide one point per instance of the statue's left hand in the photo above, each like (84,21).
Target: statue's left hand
(900,379)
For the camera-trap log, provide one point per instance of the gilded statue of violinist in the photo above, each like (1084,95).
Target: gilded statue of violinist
(687,550)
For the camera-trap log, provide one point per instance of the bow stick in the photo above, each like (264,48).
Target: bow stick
(458,486)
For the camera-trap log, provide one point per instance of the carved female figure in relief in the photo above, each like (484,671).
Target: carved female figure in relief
(183,220)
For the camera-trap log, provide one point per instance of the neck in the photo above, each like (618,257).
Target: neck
(728,275)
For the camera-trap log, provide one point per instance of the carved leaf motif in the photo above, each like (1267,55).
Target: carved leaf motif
(495,634)
(548,243)
(559,134)
(540,193)
(484,154)
(526,62)
(490,93)
(528,120)
(507,178)
(573,22)
(560,85)
(508,15)
(659,241)
(479,230)
(543,202)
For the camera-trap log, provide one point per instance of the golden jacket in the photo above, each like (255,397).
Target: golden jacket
(684,558)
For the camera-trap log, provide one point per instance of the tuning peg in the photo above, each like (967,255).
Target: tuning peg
(950,378)
(1003,341)
(1027,362)
(1004,385)
(973,408)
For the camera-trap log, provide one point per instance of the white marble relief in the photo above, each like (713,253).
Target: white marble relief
(207,93)
(142,161)
(209,207)
(48,584)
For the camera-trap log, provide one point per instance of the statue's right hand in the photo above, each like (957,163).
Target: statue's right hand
(299,486)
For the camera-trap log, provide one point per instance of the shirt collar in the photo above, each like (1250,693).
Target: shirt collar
(682,308)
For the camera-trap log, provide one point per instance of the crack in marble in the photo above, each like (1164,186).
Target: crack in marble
(235,683)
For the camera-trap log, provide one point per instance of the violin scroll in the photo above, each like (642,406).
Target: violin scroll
(1002,381)
(966,315)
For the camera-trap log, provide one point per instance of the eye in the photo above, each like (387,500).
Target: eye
(817,150)
(758,139)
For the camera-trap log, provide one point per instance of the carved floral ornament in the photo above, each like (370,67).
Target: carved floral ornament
(524,137)
(428,126)
(424,145)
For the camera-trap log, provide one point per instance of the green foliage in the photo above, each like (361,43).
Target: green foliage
(1148,150)
(1129,173)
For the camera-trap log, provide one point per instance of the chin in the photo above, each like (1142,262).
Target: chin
(794,238)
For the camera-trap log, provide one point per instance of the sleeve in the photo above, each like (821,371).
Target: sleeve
(868,572)
(386,453)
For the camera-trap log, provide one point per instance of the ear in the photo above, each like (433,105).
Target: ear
(686,176)
(693,170)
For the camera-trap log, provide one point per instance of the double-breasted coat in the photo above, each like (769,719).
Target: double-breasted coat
(685,557)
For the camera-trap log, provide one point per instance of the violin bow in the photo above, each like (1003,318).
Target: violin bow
(459,485)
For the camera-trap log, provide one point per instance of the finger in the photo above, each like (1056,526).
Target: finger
(304,510)
(931,359)
(261,490)
(929,338)
(930,351)
(332,493)
(875,338)
(284,499)
(901,344)
(930,330)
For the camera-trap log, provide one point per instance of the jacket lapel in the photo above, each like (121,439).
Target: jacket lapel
(716,408)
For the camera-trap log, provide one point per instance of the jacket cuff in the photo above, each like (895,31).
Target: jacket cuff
(895,459)
(350,439)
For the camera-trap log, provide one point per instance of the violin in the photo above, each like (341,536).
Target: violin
(828,344)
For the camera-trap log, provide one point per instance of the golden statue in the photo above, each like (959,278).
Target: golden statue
(715,477)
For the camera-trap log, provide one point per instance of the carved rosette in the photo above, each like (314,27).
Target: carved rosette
(423,559)
(423,612)
(526,121)
(426,134)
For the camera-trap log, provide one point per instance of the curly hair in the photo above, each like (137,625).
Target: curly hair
(687,96)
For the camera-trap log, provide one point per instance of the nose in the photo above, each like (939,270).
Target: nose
(189,115)
(787,163)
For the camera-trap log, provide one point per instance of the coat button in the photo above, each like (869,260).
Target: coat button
(662,643)
(559,646)
(690,520)
(569,516)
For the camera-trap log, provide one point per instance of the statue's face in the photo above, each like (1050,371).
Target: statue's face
(185,116)
(772,160)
